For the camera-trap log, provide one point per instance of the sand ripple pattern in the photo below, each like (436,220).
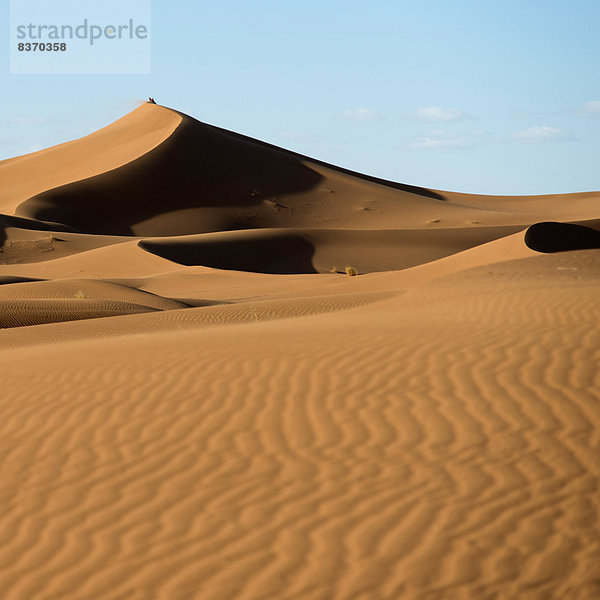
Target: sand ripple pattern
(445,449)
(40,302)
(190,318)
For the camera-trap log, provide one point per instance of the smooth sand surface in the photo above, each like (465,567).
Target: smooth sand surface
(199,403)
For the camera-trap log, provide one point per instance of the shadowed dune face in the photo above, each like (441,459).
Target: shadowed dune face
(262,252)
(411,189)
(198,167)
(561,237)
(9,221)
(8,279)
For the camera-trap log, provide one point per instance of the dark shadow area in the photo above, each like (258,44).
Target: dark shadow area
(561,237)
(29,224)
(198,166)
(8,279)
(278,253)
(413,189)
(33,224)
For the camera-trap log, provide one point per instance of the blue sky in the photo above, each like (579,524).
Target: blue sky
(464,95)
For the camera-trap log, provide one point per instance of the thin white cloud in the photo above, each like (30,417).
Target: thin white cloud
(437,114)
(542,134)
(360,114)
(438,140)
(589,109)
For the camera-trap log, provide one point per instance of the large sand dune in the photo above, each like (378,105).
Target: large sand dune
(198,402)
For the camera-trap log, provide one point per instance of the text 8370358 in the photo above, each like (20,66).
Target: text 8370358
(42,47)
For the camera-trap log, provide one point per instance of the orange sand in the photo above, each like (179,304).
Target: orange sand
(198,402)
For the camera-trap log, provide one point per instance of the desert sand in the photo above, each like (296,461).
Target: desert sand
(199,403)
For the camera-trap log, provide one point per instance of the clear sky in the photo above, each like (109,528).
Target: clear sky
(476,96)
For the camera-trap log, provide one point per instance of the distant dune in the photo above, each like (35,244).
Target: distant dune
(199,403)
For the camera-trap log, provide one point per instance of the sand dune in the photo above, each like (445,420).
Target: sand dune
(201,179)
(106,149)
(199,403)
(319,250)
(38,302)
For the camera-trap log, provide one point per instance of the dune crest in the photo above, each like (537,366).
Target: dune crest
(109,148)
